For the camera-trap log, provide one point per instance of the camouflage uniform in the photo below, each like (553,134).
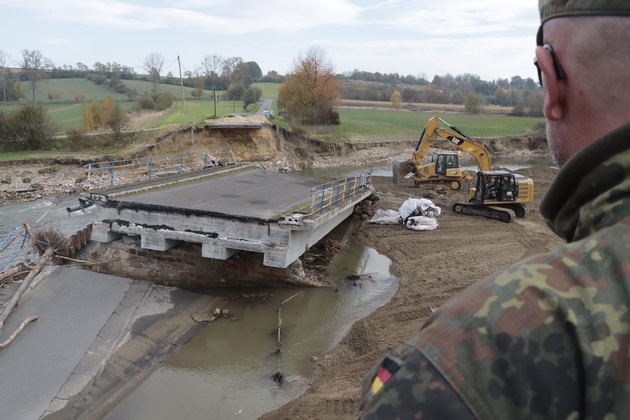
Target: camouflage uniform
(546,338)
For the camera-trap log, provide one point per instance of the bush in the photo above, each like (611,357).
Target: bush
(146,102)
(27,128)
(163,101)
(332,117)
(156,101)
(251,96)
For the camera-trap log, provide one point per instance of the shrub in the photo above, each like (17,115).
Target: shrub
(163,101)
(146,102)
(156,101)
(251,96)
(27,128)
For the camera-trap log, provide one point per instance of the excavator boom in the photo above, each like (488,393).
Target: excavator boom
(431,131)
(498,195)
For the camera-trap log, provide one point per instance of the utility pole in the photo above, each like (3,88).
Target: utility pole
(181,83)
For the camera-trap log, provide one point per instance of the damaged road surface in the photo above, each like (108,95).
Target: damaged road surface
(97,335)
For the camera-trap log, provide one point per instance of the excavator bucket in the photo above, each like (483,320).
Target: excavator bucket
(400,169)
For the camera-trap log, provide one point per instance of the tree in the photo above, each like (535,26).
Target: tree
(396,99)
(29,128)
(228,69)
(153,64)
(247,73)
(311,92)
(212,65)
(235,91)
(34,65)
(199,83)
(4,60)
(472,103)
(251,96)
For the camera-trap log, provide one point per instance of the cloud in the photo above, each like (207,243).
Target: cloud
(219,16)
(488,57)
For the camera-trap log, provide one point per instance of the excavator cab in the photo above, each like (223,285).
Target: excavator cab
(446,161)
(495,187)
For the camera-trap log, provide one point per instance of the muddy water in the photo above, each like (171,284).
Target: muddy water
(49,214)
(226,370)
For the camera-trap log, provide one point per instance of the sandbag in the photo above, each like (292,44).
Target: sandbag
(419,207)
(421,223)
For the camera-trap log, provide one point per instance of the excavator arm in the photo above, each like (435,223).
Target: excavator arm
(431,131)
(461,140)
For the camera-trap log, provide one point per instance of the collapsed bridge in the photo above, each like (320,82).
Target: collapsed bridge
(223,213)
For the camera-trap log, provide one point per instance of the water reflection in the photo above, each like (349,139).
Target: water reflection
(226,370)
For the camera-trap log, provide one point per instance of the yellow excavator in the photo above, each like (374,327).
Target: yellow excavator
(498,195)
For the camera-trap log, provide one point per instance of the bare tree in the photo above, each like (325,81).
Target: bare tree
(228,68)
(199,80)
(34,65)
(4,60)
(153,64)
(212,64)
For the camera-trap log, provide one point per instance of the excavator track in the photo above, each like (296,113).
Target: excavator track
(501,214)
(453,184)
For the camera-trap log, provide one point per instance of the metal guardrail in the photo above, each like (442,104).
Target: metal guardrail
(326,196)
(122,172)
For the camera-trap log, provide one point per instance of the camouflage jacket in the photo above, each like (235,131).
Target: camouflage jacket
(545,338)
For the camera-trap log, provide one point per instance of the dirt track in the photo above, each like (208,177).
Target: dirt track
(433,266)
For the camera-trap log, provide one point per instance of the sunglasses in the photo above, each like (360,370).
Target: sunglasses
(556,65)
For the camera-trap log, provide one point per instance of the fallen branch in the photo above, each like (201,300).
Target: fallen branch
(10,272)
(19,330)
(5,280)
(25,284)
(84,262)
(280,318)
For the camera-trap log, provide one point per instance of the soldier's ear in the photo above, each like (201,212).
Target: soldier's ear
(554,88)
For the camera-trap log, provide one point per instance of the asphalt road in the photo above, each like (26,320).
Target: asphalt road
(72,306)
(249,193)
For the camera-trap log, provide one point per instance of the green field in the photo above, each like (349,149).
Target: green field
(357,125)
(370,125)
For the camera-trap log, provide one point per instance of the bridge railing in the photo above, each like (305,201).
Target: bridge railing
(326,196)
(121,172)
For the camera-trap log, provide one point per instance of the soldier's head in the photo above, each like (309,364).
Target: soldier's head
(583,60)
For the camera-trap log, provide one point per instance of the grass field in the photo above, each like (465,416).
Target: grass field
(358,124)
(369,125)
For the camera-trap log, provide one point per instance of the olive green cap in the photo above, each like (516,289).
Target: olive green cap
(550,9)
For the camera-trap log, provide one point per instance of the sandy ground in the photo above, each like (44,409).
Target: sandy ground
(433,266)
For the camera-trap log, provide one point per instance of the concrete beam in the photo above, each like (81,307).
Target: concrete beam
(217,251)
(101,233)
(156,242)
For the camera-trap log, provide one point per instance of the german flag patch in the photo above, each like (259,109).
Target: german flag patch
(387,369)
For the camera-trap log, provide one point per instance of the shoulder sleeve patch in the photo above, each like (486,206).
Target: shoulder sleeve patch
(387,369)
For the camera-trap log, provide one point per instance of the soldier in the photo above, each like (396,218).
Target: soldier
(548,337)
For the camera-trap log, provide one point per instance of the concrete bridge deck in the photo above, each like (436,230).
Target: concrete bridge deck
(228,210)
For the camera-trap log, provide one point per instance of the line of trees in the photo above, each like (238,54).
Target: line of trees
(234,76)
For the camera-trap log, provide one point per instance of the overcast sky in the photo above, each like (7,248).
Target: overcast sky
(490,38)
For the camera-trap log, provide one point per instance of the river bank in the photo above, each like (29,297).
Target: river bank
(433,266)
